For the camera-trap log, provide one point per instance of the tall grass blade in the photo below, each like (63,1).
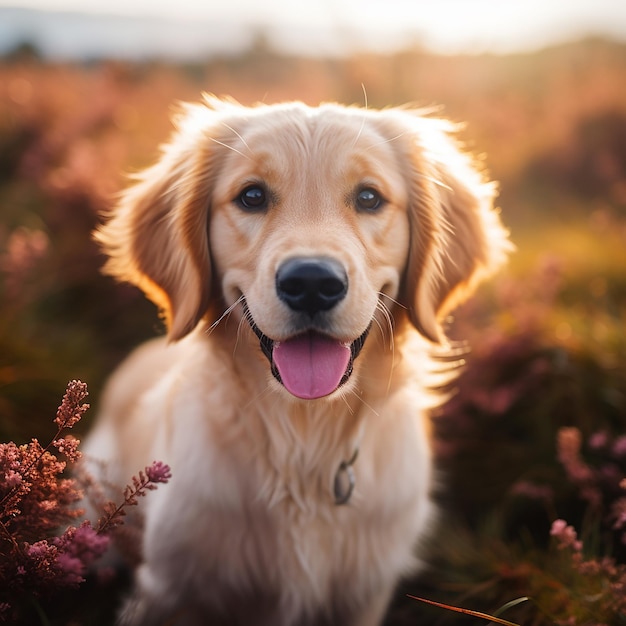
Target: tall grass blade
(489,618)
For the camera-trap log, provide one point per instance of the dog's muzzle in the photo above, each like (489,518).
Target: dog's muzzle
(311,364)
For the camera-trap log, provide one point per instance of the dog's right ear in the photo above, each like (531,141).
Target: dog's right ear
(157,235)
(456,236)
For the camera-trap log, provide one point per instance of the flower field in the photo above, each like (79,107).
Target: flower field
(532,440)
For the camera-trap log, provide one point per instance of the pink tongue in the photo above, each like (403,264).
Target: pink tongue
(311,365)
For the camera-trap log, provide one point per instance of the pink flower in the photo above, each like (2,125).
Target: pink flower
(146,481)
(38,550)
(158,472)
(36,500)
(69,447)
(569,444)
(565,535)
(619,447)
(84,542)
(77,549)
(598,440)
(71,570)
(12,479)
(71,410)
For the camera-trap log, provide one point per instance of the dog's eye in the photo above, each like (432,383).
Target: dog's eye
(368,200)
(253,198)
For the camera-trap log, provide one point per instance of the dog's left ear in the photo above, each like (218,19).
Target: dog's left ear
(157,235)
(456,237)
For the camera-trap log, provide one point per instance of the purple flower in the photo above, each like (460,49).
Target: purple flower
(71,570)
(36,500)
(145,481)
(83,541)
(598,440)
(39,550)
(619,447)
(158,472)
(565,535)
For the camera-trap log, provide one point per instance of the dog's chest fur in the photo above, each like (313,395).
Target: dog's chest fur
(263,528)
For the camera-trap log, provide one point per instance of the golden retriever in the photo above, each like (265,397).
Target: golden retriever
(304,259)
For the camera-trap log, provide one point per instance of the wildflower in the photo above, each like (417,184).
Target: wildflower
(79,547)
(71,568)
(598,588)
(68,446)
(565,535)
(71,410)
(619,447)
(25,249)
(35,502)
(599,440)
(145,481)
(618,513)
(12,479)
(569,444)
(158,472)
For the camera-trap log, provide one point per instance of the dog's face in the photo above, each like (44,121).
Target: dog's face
(309,229)
(318,224)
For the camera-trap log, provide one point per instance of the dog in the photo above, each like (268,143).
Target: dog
(304,259)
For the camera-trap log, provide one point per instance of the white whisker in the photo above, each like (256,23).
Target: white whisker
(384,141)
(360,399)
(382,307)
(226,313)
(243,141)
(435,181)
(263,392)
(389,320)
(358,135)
(384,295)
(380,328)
(365,103)
(345,401)
(221,143)
(239,332)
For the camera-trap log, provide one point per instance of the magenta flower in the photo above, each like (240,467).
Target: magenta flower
(565,535)
(36,501)
(158,472)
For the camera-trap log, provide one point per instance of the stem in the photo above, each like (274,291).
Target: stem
(457,609)
(11,538)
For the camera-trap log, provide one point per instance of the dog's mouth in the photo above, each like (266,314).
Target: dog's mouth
(311,364)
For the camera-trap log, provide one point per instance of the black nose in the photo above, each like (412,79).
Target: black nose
(311,284)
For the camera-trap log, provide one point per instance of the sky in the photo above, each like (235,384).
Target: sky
(446,26)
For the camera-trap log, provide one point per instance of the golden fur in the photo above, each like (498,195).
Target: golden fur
(248,530)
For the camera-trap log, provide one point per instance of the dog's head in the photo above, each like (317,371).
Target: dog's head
(318,224)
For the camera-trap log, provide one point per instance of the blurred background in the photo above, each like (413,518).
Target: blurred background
(86,90)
